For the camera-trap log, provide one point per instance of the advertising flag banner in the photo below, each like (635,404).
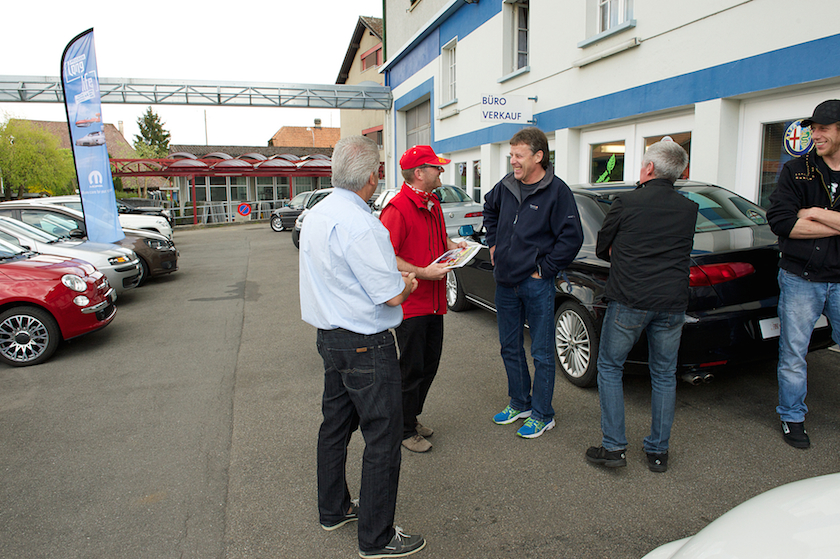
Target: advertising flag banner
(80,82)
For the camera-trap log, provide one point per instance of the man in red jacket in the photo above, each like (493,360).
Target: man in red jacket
(415,221)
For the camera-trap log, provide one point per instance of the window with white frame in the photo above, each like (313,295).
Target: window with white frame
(612,13)
(448,58)
(517,36)
(418,125)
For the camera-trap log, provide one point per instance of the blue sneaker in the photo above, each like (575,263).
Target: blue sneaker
(533,428)
(509,415)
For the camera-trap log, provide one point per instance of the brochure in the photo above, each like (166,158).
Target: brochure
(457,257)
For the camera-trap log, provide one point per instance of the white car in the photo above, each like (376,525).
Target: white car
(127,220)
(458,208)
(120,265)
(799,519)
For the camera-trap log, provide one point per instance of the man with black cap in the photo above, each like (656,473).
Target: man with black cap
(415,221)
(805,214)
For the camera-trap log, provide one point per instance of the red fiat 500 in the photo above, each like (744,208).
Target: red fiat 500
(46,299)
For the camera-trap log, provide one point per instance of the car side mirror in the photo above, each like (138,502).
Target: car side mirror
(76,234)
(466,230)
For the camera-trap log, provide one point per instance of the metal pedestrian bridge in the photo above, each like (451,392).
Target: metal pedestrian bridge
(36,89)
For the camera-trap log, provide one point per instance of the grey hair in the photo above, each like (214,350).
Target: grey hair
(668,157)
(354,159)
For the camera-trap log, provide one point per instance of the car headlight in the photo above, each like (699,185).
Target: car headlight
(122,259)
(74,282)
(81,301)
(157,244)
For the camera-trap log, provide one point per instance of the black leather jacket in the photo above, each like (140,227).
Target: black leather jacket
(651,233)
(803,184)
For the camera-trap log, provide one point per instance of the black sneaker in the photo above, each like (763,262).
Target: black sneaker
(349,517)
(609,458)
(400,545)
(657,462)
(795,434)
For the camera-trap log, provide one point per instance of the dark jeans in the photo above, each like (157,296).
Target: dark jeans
(361,389)
(533,299)
(420,339)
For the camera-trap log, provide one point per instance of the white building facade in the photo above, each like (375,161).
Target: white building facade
(728,79)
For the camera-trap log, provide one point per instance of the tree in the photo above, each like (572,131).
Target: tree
(152,135)
(32,161)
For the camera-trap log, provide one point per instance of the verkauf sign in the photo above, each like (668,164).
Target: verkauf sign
(505,109)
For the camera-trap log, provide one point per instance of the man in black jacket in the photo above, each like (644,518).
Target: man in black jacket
(534,232)
(804,214)
(647,236)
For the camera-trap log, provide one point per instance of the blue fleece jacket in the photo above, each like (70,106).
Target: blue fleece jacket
(540,233)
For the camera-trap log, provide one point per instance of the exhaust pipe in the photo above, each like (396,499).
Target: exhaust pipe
(708,377)
(692,378)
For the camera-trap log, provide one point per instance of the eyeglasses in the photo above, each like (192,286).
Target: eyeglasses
(439,168)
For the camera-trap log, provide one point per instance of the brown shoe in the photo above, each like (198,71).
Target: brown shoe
(417,444)
(423,431)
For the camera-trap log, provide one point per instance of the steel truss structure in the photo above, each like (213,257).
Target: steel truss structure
(34,89)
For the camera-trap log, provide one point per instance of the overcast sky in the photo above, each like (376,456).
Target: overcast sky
(281,41)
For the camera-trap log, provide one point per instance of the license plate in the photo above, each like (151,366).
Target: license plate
(770,327)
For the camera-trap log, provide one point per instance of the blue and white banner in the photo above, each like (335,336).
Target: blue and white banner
(80,82)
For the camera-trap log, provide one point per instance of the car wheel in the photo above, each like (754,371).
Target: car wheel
(276,223)
(296,238)
(144,272)
(455,298)
(576,344)
(28,336)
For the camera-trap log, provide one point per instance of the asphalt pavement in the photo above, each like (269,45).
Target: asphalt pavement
(187,428)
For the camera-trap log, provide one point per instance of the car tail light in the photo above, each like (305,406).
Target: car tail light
(474,214)
(713,274)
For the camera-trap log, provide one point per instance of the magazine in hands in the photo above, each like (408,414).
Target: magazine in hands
(457,257)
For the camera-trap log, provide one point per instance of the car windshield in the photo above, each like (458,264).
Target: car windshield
(27,230)
(8,250)
(45,220)
(298,199)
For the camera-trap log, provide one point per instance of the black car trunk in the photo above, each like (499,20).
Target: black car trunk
(749,255)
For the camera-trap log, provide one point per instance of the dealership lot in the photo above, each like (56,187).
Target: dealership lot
(188,426)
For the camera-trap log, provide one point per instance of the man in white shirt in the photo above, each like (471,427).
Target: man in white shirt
(351,290)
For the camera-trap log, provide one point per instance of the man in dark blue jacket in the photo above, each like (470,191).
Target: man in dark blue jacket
(534,232)
(647,237)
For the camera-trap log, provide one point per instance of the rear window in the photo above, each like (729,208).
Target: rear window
(451,194)
(719,209)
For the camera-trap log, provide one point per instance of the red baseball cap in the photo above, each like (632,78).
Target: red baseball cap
(421,155)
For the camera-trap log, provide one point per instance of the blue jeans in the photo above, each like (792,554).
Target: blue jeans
(533,299)
(800,304)
(621,330)
(361,389)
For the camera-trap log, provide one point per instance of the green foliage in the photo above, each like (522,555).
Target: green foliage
(32,161)
(153,140)
(605,176)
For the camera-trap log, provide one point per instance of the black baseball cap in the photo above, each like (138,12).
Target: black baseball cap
(826,112)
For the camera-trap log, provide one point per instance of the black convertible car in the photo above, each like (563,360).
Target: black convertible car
(731,317)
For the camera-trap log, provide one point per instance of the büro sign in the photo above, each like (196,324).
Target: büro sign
(512,109)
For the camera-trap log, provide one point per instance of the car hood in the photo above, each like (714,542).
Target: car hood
(43,267)
(799,519)
(144,233)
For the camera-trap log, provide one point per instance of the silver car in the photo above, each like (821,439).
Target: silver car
(458,208)
(120,265)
